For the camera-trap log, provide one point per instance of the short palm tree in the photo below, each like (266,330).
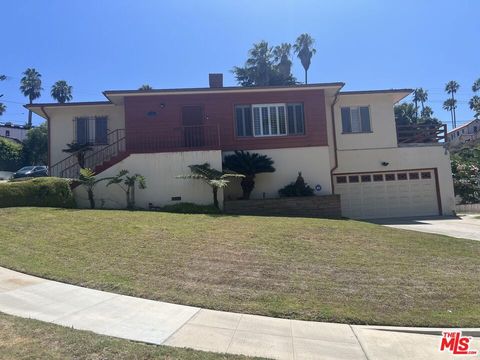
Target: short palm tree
(303,47)
(31,87)
(145,87)
(281,55)
(249,165)
(127,183)
(89,181)
(451,88)
(61,91)
(80,151)
(212,177)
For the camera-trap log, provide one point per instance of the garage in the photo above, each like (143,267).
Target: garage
(388,194)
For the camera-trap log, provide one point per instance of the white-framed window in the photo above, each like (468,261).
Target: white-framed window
(356,119)
(269,120)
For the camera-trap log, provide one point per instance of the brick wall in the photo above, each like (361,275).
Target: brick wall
(327,206)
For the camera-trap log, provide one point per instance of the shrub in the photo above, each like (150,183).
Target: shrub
(190,208)
(47,191)
(10,155)
(297,188)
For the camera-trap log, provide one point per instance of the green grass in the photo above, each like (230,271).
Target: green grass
(312,269)
(32,339)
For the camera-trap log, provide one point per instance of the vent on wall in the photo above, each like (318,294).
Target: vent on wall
(176,198)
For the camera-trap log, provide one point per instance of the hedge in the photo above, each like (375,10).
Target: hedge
(45,191)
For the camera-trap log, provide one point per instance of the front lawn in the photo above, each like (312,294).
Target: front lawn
(32,339)
(312,269)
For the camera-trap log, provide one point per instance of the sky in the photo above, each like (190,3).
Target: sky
(98,45)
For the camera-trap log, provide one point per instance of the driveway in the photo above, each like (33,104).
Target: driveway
(462,226)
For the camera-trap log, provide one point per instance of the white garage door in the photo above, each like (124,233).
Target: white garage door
(389,194)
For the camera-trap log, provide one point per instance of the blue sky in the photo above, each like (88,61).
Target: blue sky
(114,44)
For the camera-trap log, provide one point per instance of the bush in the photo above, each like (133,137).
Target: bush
(47,191)
(190,208)
(297,188)
(10,155)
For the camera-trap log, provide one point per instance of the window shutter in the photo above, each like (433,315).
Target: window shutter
(81,128)
(256,121)
(247,117)
(101,130)
(346,122)
(365,118)
(239,121)
(299,118)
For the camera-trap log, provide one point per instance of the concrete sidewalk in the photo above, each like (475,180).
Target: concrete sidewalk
(184,326)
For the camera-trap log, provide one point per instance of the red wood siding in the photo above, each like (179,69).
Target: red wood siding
(219,112)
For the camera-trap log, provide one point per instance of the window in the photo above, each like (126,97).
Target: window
(402,176)
(7,133)
(414,176)
(269,120)
(366,178)
(91,130)
(295,119)
(353,179)
(341,179)
(356,119)
(378,177)
(243,120)
(426,175)
(389,177)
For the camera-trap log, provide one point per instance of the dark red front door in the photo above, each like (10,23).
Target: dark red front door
(192,120)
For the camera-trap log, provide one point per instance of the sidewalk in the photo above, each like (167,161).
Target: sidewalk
(184,326)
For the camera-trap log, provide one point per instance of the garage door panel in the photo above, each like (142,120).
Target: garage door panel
(393,194)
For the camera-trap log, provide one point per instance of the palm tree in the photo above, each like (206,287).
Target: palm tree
(3,108)
(145,87)
(212,177)
(451,88)
(476,86)
(450,105)
(281,55)
(31,86)
(127,184)
(474,104)
(249,165)
(261,57)
(89,181)
(422,97)
(303,47)
(80,151)
(426,113)
(415,99)
(61,91)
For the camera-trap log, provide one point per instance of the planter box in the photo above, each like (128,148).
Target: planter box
(326,206)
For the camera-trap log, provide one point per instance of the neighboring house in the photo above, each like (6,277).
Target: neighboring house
(12,131)
(465,133)
(343,142)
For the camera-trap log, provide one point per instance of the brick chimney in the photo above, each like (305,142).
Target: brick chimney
(215,80)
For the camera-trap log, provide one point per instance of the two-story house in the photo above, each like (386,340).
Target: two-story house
(343,142)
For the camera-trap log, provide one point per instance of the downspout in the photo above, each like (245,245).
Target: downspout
(48,129)
(335,166)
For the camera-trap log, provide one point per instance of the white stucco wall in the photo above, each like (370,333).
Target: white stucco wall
(313,162)
(13,132)
(382,121)
(160,171)
(61,124)
(414,157)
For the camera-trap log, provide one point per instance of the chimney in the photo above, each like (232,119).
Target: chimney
(215,80)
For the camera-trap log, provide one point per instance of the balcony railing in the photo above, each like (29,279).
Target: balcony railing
(185,138)
(421,133)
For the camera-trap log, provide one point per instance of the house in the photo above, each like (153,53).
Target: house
(12,131)
(343,142)
(468,132)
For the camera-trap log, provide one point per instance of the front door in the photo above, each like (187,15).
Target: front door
(192,120)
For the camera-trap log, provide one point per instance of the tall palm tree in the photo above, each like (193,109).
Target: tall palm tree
(261,57)
(474,104)
(416,99)
(3,108)
(303,47)
(249,165)
(61,91)
(145,87)
(281,55)
(212,177)
(450,105)
(451,88)
(426,113)
(422,97)
(476,85)
(31,86)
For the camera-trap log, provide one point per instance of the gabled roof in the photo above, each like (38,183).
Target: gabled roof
(463,126)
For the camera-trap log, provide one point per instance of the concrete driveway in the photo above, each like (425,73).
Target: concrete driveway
(462,226)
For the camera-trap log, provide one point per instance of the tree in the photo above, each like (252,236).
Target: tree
(262,67)
(80,151)
(281,54)
(61,91)
(35,146)
(476,86)
(450,105)
(249,165)
(10,154)
(127,184)
(212,177)
(3,108)
(451,88)
(31,87)
(145,87)
(303,47)
(466,174)
(474,102)
(89,181)
(420,95)
(405,114)
(297,188)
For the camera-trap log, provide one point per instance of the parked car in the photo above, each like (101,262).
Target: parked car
(31,171)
